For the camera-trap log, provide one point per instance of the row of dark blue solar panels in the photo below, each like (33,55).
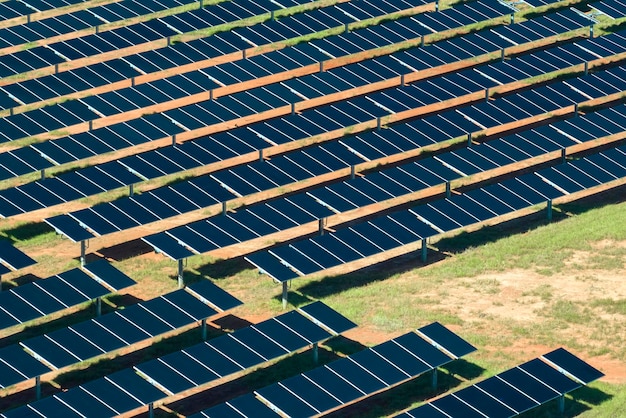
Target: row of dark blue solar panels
(296,166)
(81,19)
(194,366)
(107,333)
(350,379)
(298,209)
(207,17)
(12,259)
(76,147)
(43,297)
(13,9)
(387,232)
(612,8)
(154,60)
(179,86)
(126,36)
(515,391)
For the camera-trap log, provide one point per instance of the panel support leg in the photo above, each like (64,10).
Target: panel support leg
(131,189)
(83,249)
(320,226)
(424,251)
(549,209)
(434,380)
(98,306)
(469,139)
(38,387)
(0,283)
(181,281)
(224,209)
(151,410)
(448,190)
(284,295)
(561,404)
(586,67)
(43,174)
(352,172)
(316,353)
(204,330)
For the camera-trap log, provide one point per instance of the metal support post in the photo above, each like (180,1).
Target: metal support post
(201,4)
(316,353)
(174,140)
(204,330)
(352,172)
(43,173)
(244,53)
(0,283)
(448,189)
(211,94)
(284,295)
(28,18)
(434,380)
(83,249)
(487,94)
(169,41)
(575,109)
(591,31)
(11,112)
(402,83)
(38,387)
(422,40)
(561,404)
(261,155)
(321,66)
(132,81)
(224,208)
(56,68)
(98,306)
(131,189)
(549,209)
(151,410)
(90,125)
(512,20)
(378,123)
(563,155)
(502,54)
(586,67)
(272,17)
(346,28)
(469,139)
(97,29)
(181,280)
(320,226)
(293,109)
(424,251)
(437,5)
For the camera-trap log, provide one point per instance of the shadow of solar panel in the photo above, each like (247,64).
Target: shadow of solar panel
(576,367)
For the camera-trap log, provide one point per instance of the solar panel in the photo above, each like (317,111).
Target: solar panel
(341,382)
(14,258)
(512,392)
